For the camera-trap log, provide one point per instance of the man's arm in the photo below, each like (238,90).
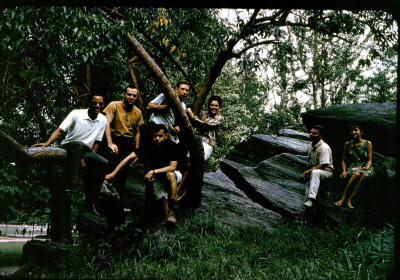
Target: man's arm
(218,120)
(107,131)
(156,104)
(169,168)
(122,164)
(323,157)
(137,137)
(53,137)
(319,166)
(155,107)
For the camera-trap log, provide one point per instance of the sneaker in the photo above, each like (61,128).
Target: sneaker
(308,203)
(171,218)
(94,210)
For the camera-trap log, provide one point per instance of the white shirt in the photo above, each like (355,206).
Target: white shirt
(80,127)
(320,154)
(166,117)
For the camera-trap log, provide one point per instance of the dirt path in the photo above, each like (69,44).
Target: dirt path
(8,270)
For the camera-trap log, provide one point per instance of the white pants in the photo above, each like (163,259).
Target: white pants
(207,150)
(315,179)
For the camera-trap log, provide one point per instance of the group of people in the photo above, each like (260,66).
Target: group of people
(165,158)
(356,164)
(120,124)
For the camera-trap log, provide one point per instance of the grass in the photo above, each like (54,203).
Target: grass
(10,253)
(202,248)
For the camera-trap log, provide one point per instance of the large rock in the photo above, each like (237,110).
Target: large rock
(259,147)
(292,133)
(228,204)
(274,183)
(378,121)
(231,206)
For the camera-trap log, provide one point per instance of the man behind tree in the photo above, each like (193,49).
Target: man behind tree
(162,114)
(320,156)
(123,132)
(84,130)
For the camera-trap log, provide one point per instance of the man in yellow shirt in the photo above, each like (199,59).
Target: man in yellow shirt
(123,132)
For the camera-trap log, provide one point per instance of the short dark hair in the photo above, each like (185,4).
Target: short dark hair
(94,94)
(215,98)
(182,83)
(129,87)
(320,128)
(156,127)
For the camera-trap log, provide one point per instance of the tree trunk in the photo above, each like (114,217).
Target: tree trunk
(212,75)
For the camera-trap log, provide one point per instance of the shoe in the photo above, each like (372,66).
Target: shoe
(308,203)
(94,210)
(171,218)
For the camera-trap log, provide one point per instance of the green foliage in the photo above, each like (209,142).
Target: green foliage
(23,196)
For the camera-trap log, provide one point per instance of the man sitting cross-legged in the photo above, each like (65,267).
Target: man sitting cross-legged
(161,157)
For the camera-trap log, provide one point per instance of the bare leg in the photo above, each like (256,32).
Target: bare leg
(173,185)
(356,188)
(346,188)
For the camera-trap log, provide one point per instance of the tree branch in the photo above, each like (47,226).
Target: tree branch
(242,51)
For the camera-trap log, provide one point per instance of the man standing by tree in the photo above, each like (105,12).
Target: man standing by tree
(162,114)
(84,130)
(320,156)
(123,132)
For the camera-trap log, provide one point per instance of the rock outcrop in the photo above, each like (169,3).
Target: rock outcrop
(378,121)
(259,181)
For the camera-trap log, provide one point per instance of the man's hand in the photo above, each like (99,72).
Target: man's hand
(113,148)
(109,176)
(190,113)
(305,173)
(176,129)
(43,145)
(149,175)
(134,160)
(343,175)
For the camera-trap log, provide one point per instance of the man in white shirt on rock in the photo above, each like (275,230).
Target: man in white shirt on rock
(320,156)
(84,130)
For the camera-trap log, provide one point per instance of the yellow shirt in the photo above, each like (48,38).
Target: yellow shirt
(123,123)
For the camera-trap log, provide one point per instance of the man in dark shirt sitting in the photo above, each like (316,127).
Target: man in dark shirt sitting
(160,162)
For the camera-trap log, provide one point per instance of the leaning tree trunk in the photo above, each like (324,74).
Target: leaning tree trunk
(187,134)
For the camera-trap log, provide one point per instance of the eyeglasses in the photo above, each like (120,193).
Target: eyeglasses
(94,103)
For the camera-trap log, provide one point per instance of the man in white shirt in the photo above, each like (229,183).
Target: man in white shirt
(320,156)
(84,130)
(162,114)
